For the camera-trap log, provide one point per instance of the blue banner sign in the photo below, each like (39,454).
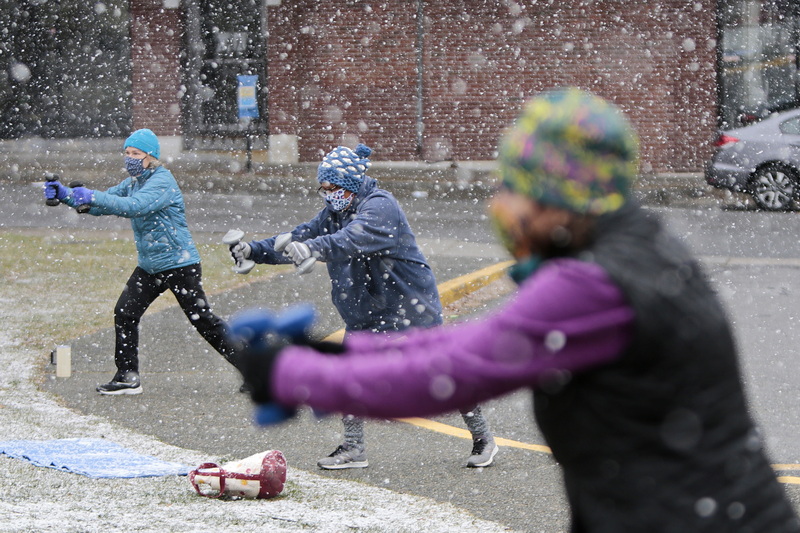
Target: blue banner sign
(248,104)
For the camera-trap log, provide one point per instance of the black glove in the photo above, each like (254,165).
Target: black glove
(255,364)
(263,336)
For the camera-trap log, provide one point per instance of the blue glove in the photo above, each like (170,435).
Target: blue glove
(54,189)
(82,196)
(265,335)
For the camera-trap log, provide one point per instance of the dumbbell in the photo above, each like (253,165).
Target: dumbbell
(232,238)
(282,241)
(51,179)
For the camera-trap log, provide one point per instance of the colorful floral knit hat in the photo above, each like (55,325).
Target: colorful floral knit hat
(573,150)
(345,167)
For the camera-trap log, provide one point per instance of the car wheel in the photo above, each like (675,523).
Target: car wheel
(774,187)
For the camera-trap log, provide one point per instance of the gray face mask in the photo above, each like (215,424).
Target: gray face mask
(135,167)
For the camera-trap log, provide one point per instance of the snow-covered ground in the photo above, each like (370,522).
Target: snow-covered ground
(45,499)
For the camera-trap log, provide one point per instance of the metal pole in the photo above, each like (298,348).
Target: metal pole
(420,44)
(249,138)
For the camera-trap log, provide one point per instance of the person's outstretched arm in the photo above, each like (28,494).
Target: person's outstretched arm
(567,318)
(156,194)
(264,252)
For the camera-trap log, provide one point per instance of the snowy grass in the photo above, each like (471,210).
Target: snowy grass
(57,287)
(68,281)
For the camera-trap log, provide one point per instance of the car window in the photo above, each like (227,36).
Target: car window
(791,126)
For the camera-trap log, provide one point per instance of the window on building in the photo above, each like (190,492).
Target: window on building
(758,56)
(59,80)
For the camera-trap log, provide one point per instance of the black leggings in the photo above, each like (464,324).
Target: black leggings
(142,289)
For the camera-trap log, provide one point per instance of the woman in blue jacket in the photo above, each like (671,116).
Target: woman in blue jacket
(167,255)
(380,280)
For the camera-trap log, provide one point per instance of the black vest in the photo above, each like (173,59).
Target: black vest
(661,440)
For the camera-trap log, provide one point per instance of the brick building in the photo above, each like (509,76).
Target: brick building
(440,80)
(430,81)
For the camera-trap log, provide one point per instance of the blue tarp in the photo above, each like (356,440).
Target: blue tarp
(95,458)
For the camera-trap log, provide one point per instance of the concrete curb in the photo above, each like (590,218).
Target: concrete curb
(98,163)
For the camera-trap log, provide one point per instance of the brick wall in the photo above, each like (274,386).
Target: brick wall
(351,69)
(655,61)
(342,71)
(156,44)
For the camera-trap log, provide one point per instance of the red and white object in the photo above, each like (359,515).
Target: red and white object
(259,476)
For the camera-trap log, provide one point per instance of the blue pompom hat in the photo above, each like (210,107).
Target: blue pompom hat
(344,167)
(144,140)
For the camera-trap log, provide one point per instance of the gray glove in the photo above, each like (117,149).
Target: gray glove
(240,251)
(297,252)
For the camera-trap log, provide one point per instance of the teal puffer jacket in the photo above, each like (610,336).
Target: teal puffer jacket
(154,203)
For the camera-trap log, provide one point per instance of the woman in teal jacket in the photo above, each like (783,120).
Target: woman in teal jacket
(167,255)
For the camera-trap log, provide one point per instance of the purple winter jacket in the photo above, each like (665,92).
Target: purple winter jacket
(568,316)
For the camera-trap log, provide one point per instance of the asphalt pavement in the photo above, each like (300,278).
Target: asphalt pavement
(191,396)
(191,400)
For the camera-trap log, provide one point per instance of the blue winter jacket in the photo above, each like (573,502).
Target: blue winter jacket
(154,203)
(380,280)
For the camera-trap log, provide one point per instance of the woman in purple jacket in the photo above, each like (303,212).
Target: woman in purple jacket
(615,329)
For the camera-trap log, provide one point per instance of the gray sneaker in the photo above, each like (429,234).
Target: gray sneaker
(483,451)
(127,383)
(344,458)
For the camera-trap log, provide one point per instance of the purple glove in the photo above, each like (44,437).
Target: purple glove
(82,196)
(54,189)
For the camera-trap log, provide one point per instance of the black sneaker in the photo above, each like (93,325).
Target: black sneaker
(483,451)
(127,383)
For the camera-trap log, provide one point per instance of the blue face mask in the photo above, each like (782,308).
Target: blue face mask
(135,167)
(337,201)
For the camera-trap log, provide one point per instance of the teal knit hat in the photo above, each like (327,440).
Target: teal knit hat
(573,150)
(144,140)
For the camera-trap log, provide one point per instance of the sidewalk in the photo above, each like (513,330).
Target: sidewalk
(191,400)
(99,164)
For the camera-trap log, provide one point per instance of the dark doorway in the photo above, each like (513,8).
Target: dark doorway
(225,39)
(758,59)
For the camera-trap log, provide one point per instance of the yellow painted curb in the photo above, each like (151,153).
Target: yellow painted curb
(455,289)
